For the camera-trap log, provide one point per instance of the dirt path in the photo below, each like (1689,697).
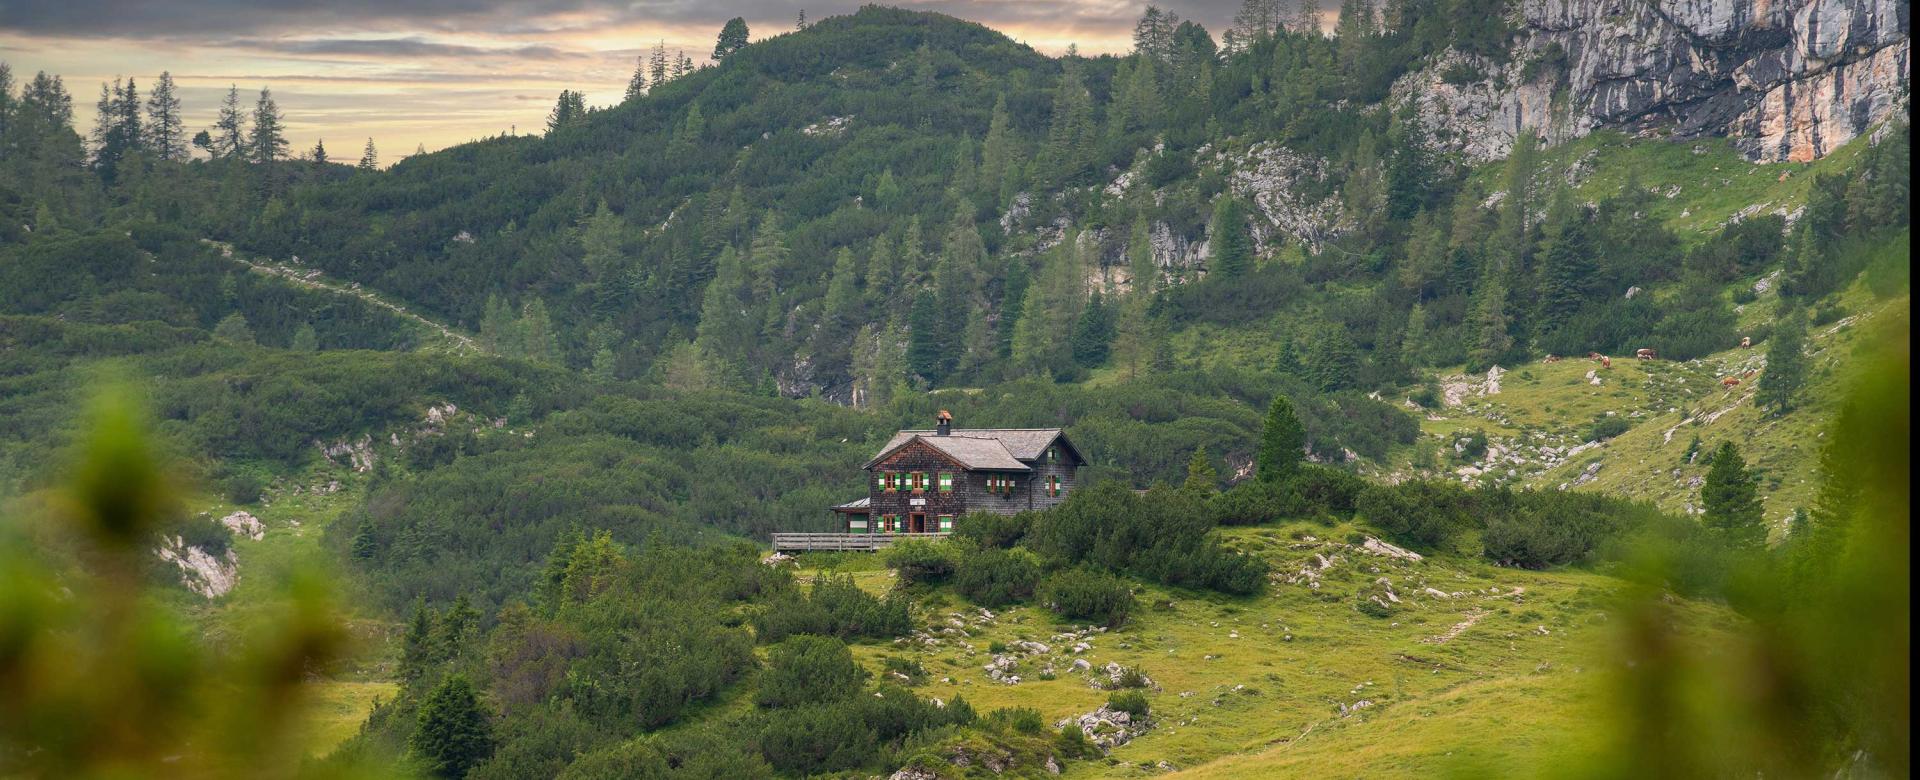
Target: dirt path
(313,279)
(1473,616)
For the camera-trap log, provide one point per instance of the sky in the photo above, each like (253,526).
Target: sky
(433,73)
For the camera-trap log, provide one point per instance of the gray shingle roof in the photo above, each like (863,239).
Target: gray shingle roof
(990,449)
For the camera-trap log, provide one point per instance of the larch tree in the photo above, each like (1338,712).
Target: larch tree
(1283,442)
(1731,500)
(166,133)
(732,38)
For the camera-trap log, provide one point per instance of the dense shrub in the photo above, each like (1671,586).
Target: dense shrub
(994,577)
(834,607)
(988,529)
(1607,427)
(817,738)
(1162,535)
(1085,594)
(922,562)
(809,670)
(1419,513)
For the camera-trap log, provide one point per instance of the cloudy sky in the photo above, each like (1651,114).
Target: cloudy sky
(434,73)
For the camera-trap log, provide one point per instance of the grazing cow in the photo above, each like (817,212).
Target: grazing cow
(1645,353)
(1730,382)
(1746,342)
(1594,356)
(1606,362)
(1551,359)
(1749,374)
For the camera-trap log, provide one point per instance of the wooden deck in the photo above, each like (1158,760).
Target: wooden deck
(843,542)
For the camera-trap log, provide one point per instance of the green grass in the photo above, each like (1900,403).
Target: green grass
(1253,686)
(336,709)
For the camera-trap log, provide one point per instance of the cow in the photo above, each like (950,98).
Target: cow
(1551,359)
(1594,356)
(1730,382)
(1645,353)
(1746,342)
(1606,362)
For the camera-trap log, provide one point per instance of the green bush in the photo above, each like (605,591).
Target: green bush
(808,670)
(988,529)
(1419,513)
(919,561)
(817,738)
(1607,427)
(1016,720)
(1086,594)
(994,577)
(1130,701)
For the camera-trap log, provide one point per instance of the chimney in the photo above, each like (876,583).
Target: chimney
(945,425)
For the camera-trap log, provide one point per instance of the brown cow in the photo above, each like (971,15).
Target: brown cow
(1730,382)
(1551,359)
(1593,356)
(1606,362)
(1645,353)
(1746,342)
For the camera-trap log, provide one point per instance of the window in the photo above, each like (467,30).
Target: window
(919,480)
(946,482)
(888,481)
(946,524)
(857,526)
(879,481)
(1053,487)
(886,523)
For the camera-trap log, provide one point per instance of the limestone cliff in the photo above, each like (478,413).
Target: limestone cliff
(1786,79)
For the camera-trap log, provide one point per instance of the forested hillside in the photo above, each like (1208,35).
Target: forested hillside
(1345,367)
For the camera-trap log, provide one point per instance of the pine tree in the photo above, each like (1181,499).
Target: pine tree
(1068,148)
(996,153)
(1283,442)
(1786,371)
(416,647)
(1153,34)
(1255,21)
(1231,247)
(1413,341)
(369,157)
(1092,341)
(602,244)
(116,131)
(453,734)
(732,38)
(166,133)
(1567,268)
(1487,320)
(1202,479)
(305,339)
(499,333)
(319,154)
(1143,271)
(1732,501)
(268,141)
(727,327)
(7,109)
(657,65)
(540,343)
(637,85)
(801,24)
(568,111)
(923,338)
(233,328)
(230,129)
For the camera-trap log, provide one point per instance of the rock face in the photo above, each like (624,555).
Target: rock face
(1789,80)
(204,572)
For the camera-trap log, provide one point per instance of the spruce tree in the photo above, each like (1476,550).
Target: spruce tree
(369,157)
(1092,340)
(319,154)
(1283,442)
(732,38)
(923,338)
(637,85)
(657,65)
(1786,371)
(453,734)
(268,141)
(305,339)
(230,129)
(416,646)
(233,328)
(1231,247)
(166,133)
(1332,361)
(1202,479)
(1731,500)
(539,341)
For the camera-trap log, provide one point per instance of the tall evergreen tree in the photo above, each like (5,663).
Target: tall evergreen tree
(657,66)
(1092,341)
(539,341)
(568,111)
(1487,320)
(1202,478)
(166,132)
(732,38)
(8,107)
(1068,148)
(1153,34)
(230,129)
(1786,372)
(1731,500)
(269,140)
(319,154)
(637,84)
(1230,245)
(453,734)
(1283,442)
(1332,361)
(369,157)
(923,338)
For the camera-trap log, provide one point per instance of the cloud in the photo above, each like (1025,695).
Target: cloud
(387,48)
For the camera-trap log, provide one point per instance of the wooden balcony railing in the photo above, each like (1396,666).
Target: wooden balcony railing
(839,542)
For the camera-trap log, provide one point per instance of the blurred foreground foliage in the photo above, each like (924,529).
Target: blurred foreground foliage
(99,678)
